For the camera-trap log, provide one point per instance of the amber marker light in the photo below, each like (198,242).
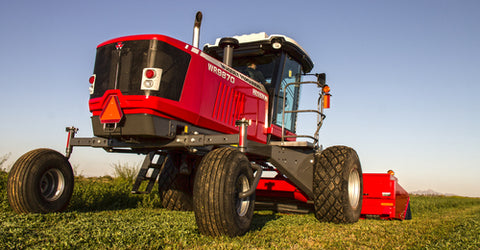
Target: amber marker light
(326,89)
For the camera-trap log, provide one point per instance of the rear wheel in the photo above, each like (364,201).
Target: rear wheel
(41,181)
(221,176)
(173,187)
(337,185)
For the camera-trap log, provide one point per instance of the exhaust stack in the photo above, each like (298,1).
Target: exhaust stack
(196,29)
(228,44)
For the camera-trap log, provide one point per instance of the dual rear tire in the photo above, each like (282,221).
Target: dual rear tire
(220,177)
(174,188)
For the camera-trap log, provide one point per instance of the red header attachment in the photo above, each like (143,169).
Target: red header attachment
(111,113)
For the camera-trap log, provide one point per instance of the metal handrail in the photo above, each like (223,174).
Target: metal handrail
(319,111)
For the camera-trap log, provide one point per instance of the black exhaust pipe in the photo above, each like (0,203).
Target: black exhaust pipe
(228,44)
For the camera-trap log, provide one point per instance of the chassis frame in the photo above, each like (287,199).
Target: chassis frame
(293,159)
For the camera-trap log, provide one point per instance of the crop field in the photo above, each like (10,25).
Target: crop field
(104,215)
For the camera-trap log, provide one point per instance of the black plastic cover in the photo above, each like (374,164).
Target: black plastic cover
(121,67)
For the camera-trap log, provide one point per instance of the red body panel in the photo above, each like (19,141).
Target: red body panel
(214,96)
(384,197)
(280,187)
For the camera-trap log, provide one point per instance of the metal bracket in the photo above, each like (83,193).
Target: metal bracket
(255,182)
(71,134)
(110,127)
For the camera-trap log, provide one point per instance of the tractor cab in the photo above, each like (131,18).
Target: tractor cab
(277,61)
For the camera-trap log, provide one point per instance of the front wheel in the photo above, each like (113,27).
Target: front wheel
(337,185)
(41,181)
(222,175)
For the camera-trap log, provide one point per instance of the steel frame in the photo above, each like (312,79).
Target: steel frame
(295,161)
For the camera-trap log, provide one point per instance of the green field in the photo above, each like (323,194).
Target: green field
(103,214)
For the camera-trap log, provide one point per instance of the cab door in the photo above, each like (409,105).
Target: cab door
(287,95)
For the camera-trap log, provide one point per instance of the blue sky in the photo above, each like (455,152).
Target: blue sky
(404,75)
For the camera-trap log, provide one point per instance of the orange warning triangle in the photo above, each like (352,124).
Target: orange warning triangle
(112,113)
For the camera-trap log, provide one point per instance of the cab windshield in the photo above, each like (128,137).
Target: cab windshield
(265,65)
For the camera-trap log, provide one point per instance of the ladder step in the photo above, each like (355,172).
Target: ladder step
(145,169)
(157,166)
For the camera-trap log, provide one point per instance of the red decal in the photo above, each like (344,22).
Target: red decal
(119,45)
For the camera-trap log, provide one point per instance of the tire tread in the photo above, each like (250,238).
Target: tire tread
(209,193)
(21,195)
(329,193)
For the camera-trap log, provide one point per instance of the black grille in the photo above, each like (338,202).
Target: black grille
(122,68)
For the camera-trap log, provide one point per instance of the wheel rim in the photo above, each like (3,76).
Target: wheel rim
(52,184)
(242,205)
(354,188)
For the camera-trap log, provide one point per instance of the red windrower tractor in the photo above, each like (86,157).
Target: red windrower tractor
(218,128)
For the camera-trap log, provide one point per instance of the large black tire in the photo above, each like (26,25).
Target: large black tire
(337,185)
(221,176)
(173,187)
(41,181)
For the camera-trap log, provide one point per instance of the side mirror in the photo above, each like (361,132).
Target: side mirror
(321,78)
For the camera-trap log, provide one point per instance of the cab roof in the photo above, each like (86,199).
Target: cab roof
(258,44)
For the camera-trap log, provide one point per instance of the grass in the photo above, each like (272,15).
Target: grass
(103,214)
(125,171)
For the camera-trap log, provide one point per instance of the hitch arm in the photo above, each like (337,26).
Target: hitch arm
(71,134)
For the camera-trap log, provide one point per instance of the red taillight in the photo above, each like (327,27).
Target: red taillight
(91,80)
(151,79)
(150,73)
